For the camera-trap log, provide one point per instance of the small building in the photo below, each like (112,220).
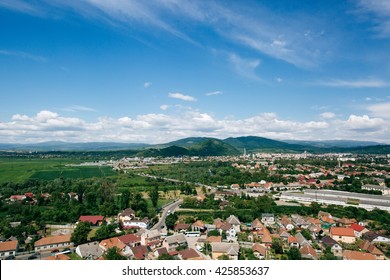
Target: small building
(376,237)
(268,219)
(308,252)
(259,251)
(127,214)
(346,235)
(335,247)
(358,230)
(89,251)
(135,223)
(93,220)
(122,248)
(372,249)
(355,255)
(130,239)
(383,189)
(229,249)
(174,241)
(189,254)
(181,228)
(53,242)
(287,224)
(8,248)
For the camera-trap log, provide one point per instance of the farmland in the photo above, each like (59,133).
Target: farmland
(18,170)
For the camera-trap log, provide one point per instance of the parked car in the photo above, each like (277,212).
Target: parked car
(10,257)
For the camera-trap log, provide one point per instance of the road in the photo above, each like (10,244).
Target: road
(165,210)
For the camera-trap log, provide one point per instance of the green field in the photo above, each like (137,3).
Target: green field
(19,170)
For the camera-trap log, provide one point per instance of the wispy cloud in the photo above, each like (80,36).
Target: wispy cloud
(328,115)
(380,110)
(181,96)
(218,92)
(366,83)
(380,9)
(25,55)
(78,108)
(147,84)
(164,107)
(243,66)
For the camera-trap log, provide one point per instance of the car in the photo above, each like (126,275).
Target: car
(32,257)
(11,257)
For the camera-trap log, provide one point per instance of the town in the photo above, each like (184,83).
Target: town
(253,206)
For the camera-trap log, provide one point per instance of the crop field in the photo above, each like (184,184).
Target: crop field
(19,170)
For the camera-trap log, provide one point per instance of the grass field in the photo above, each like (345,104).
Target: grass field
(19,170)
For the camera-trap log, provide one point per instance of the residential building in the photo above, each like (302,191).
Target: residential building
(346,235)
(268,219)
(308,252)
(189,254)
(372,249)
(358,230)
(229,249)
(174,241)
(93,220)
(383,189)
(89,251)
(8,248)
(53,242)
(259,251)
(122,248)
(355,255)
(335,247)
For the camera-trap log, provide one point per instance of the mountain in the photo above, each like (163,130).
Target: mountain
(257,144)
(212,147)
(171,151)
(334,143)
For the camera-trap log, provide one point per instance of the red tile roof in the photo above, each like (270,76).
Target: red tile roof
(52,240)
(357,227)
(91,219)
(129,238)
(189,254)
(342,231)
(8,246)
(355,255)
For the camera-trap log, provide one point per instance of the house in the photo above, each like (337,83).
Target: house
(181,228)
(299,221)
(293,241)
(259,251)
(302,240)
(358,230)
(150,237)
(93,220)
(257,225)
(135,223)
(266,240)
(284,234)
(229,249)
(213,239)
(286,223)
(198,226)
(122,248)
(307,252)
(89,251)
(139,252)
(8,248)
(127,214)
(130,239)
(344,222)
(346,235)
(335,247)
(229,230)
(355,255)
(268,219)
(189,254)
(160,251)
(174,241)
(53,242)
(372,249)
(234,221)
(376,237)
(222,195)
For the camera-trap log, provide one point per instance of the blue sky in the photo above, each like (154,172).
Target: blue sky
(156,71)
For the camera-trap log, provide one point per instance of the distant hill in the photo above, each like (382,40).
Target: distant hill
(334,143)
(212,147)
(257,144)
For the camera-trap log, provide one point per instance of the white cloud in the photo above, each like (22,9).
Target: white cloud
(181,96)
(78,108)
(160,128)
(380,9)
(364,123)
(328,115)
(147,84)
(367,83)
(214,93)
(244,67)
(20,54)
(164,107)
(380,110)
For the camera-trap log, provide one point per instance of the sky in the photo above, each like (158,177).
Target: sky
(160,70)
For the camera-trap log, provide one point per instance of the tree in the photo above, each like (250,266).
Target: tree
(165,257)
(80,234)
(112,254)
(213,232)
(223,257)
(294,254)
(103,232)
(277,246)
(328,254)
(153,194)
(125,199)
(171,220)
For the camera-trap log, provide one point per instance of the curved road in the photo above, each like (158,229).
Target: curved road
(165,210)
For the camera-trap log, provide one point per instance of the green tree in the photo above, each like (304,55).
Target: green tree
(223,257)
(165,257)
(277,246)
(112,254)
(80,234)
(153,194)
(328,254)
(213,232)
(294,254)
(125,199)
